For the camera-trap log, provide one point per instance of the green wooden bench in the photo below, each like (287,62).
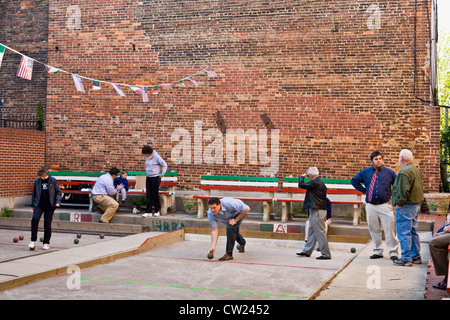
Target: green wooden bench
(257,189)
(70,179)
(340,187)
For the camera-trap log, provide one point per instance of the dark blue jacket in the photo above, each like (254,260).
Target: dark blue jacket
(54,192)
(383,185)
(119,181)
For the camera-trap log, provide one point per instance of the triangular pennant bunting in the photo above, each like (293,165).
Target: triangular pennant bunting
(2,52)
(117,88)
(96,85)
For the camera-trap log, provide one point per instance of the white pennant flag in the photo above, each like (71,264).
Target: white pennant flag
(78,83)
(117,88)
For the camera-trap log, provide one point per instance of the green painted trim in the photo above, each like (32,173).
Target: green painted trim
(98,174)
(239,178)
(342,181)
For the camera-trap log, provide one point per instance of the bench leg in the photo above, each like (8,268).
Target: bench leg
(201,208)
(164,203)
(91,203)
(356,214)
(268,208)
(286,209)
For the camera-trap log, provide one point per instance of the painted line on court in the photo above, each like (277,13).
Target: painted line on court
(193,288)
(247,263)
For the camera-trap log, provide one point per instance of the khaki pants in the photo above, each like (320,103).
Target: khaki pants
(108,205)
(381,218)
(439,253)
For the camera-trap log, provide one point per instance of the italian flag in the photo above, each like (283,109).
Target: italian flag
(96,85)
(51,69)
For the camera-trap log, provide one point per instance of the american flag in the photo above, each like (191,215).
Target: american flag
(78,83)
(25,68)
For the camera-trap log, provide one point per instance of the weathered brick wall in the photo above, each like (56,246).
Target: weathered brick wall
(24,27)
(337,79)
(22,153)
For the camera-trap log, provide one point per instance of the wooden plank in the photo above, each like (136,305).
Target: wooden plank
(236,188)
(239,178)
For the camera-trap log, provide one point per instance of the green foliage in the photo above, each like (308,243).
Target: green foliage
(6,213)
(40,116)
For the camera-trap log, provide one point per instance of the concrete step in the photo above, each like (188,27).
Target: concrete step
(124,222)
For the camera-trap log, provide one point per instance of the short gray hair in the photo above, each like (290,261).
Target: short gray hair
(406,155)
(313,171)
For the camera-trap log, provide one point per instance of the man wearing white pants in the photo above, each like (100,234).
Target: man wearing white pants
(378,181)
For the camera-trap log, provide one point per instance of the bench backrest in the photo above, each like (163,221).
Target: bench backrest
(76,178)
(334,186)
(239,183)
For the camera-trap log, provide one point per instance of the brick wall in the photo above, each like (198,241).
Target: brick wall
(22,153)
(337,79)
(24,27)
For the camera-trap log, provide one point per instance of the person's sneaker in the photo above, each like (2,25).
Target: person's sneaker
(157,214)
(376,256)
(147,214)
(32,245)
(46,246)
(393,258)
(401,262)
(226,257)
(417,260)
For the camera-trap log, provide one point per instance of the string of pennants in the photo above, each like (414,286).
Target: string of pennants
(26,69)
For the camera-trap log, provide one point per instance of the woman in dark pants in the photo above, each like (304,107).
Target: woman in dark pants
(155,168)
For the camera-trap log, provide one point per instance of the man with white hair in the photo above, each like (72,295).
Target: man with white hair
(316,203)
(407,197)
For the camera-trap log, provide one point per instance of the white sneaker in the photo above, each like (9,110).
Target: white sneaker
(146,215)
(32,245)
(46,246)
(157,214)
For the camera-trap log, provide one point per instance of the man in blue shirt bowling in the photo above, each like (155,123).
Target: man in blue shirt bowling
(230,212)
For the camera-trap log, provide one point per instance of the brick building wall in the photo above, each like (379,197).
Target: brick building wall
(24,27)
(337,80)
(22,153)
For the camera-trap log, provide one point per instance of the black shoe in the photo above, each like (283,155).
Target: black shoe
(303,254)
(376,256)
(393,258)
(441,285)
(322,257)
(101,221)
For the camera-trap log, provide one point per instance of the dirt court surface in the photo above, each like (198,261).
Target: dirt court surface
(268,270)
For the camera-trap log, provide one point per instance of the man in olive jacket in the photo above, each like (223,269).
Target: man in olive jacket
(316,203)
(407,197)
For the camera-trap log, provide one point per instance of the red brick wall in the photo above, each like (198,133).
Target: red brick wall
(334,96)
(22,153)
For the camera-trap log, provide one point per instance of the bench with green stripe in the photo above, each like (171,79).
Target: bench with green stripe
(264,189)
(338,187)
(77,178)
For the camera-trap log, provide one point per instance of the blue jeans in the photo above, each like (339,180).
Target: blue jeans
(406,223)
